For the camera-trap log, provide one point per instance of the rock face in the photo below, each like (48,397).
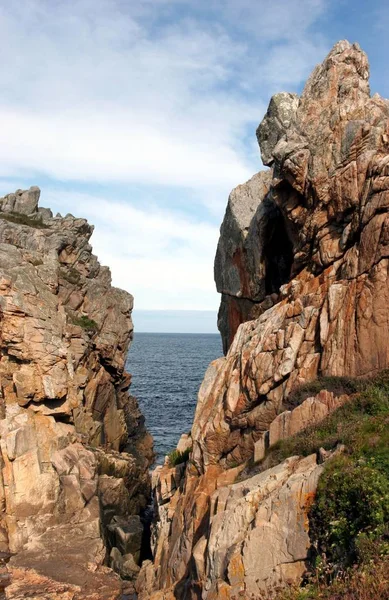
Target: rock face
(327,181)
(302,265)
(74,450)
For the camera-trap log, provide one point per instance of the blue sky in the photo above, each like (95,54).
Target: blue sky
(141,114)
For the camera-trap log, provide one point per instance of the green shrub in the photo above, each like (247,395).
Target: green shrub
(177,458)
(85,323)
(351,506)
(21,219)
(349,519)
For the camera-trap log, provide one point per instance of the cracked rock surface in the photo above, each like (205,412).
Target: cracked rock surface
(302,265)
(74,449)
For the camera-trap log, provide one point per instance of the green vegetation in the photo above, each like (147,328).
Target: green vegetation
(351,509)
(357,424)
(24,220)
(36,261)
(177,458)
(85,323)
(349,519)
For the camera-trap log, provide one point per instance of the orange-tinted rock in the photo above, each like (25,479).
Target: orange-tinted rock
(308,413)
(302,265)
(67,423)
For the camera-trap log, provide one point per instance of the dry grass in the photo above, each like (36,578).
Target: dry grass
(366,582)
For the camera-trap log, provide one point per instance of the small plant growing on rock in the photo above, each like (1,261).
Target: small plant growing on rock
(337,385)
(86,323)
(176,457)
(36,262)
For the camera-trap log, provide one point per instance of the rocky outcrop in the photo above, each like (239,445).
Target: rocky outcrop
(74,450)
(309,413)
(327,183)
(302,265)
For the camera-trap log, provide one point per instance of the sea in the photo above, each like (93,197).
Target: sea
(167,370)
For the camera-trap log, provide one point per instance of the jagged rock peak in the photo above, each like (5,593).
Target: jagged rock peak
(303,267)
(74,450)
(279,117)
(342,77)
(24,202)
(320,148)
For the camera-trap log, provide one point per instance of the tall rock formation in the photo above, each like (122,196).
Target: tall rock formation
(74,449)
(302,265)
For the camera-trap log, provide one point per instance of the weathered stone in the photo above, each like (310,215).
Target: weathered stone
(128,534)
(22,202)
(261,446)
(249,261)
(64,335)
(184,443)
(308,413)
(27,202)
(279,118)
(166,480)
(302,265)
(115,559)
(129,568)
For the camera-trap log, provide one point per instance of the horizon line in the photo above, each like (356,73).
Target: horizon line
(178,332)
(172,310)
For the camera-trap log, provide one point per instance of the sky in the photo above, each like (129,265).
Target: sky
(140,115)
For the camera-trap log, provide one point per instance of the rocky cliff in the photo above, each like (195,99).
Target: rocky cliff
(74,449)
(302,266)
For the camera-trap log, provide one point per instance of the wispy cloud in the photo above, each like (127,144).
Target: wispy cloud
(89,93)
(98,90)
(163,94)
(161,256)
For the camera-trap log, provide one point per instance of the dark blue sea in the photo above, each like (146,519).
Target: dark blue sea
(167,370)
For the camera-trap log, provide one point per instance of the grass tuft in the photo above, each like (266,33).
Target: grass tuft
(337,385)
(177,458)
(359,424)
(368,582)
(85,323)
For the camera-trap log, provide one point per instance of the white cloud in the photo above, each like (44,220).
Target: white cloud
(87,94)
(117,147)
(163,258)
(147,93)
(98,91)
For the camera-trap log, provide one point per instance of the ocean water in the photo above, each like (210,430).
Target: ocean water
(167,370)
